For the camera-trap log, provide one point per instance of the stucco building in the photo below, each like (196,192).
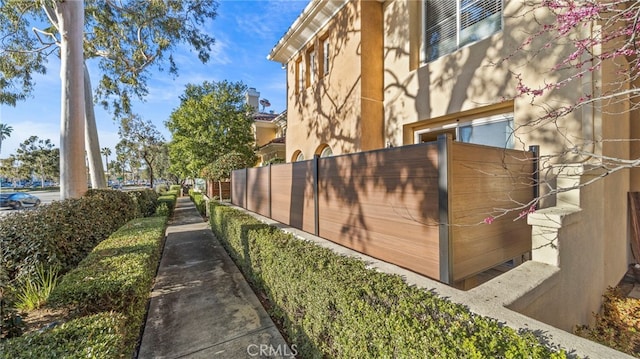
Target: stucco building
(364,75)
(269,130)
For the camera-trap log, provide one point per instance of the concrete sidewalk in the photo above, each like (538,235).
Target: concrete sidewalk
(201,306)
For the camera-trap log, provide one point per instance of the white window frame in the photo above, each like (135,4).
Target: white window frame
(300,73)
(325,56)
(424,58)
(312,57)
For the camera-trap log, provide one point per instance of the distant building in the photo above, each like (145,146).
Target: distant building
(269,129)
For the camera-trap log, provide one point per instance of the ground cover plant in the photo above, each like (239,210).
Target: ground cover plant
(618,323)
(333,306)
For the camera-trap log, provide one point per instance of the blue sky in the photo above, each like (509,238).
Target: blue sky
(245,33)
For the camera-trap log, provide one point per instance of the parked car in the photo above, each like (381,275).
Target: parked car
(18,200)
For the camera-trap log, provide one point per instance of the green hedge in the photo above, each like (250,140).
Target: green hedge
(96,336)
(169,200)
(198,200)
(146,201)
(61,233)
(114,280)
(333,306)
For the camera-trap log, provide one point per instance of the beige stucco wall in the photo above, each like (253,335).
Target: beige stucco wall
(264,132)
(378,93)
(347,114)
(473,79)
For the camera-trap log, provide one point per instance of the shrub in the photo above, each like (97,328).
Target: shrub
(146,201)
(96,336)
(117,272)
(199,201)
(618,326)
(162,210)
(175,187)
(116,276)
(61,233)
(169,200)
(333,306)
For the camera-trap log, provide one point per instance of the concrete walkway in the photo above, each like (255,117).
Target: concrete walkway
(201,306)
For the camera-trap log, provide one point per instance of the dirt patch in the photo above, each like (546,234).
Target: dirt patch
(40,318)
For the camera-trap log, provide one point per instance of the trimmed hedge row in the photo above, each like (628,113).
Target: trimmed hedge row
(198,200)
(333,306)
(109,290)
(169,198)
(61,233)
(96,336)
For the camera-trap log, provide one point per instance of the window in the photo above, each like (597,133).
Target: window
(325,151)
(297,156)
(325,56)
(299,75)
(496,131)
(449,25)
(312,65)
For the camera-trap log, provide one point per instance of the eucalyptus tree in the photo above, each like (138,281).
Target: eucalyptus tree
(213,119)
(125,37)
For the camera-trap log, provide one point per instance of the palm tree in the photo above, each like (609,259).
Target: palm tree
(5,131)
(106,152)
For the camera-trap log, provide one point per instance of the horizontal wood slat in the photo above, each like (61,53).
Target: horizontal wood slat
(292,192)
(384,204)
(485,180)
(258,190)
(238,188)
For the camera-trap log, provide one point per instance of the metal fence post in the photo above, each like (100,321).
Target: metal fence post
(446,260)
(316,206)
(270,191)
(246,188)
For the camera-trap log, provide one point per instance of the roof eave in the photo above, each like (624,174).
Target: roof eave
(313,18)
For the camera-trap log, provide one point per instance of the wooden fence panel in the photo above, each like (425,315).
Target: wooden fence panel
(292,194)
(238,188)
(384,204)
(481,180)
(258,197)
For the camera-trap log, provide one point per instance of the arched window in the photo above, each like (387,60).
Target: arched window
(326,152)
(297,156)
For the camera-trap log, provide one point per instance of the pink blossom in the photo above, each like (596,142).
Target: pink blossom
(489,220)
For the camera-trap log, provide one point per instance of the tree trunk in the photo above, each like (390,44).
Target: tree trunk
(73,179)
(91,136)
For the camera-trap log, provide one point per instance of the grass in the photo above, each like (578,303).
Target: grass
(34,290)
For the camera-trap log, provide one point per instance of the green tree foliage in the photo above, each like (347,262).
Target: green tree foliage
(126,37)
(39,157)
(5,130)
(141,140)
(211,121)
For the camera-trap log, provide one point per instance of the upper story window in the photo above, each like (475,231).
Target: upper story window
(325,56)
(300,80)
(312,65)
(452,24)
